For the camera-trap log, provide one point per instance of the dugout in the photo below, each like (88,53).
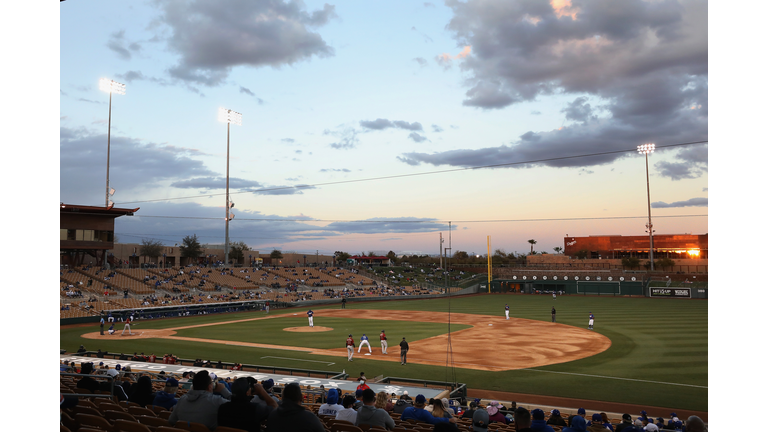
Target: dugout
(571,287)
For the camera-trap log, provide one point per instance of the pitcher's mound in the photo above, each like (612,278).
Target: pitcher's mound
(307,329)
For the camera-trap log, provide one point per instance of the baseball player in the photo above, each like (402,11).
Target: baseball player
(554,295)
(350,348)
(310,314)
(506,310)
(591,321)
(266,306)
(553,314)
(364,341)
(111,329)
(110,318)
(127,326)
(383,339)
(101,325)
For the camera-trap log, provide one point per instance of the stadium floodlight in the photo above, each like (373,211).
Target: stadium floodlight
(646,149)
(229,117)
(110,87)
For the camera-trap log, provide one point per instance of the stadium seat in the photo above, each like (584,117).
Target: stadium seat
(164,414)
(152,421)
(338,427)
(229,429)
(139,410)
(191,426)
(118,415)
(130,426)
(168,429)
(108,406)
(93,422)
(79,409)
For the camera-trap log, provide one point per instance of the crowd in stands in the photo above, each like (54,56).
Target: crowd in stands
(245,404)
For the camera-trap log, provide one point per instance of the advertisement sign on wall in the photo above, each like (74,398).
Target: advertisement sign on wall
(671,292)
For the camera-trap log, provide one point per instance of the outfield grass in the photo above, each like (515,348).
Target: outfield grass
(658,355)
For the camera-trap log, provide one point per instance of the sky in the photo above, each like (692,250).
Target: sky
(365,125)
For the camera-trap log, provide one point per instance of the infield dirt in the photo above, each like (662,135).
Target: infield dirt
(493,343)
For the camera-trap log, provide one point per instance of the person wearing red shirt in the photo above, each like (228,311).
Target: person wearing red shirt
(383,339)
(152,358)
(350,348)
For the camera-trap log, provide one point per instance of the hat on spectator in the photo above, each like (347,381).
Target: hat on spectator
(659,419)
(643,412)
(555,412)
(112,372)
(597,417)
(358,393)
(405,392)
(268,384)
(101,363)
(492,408)
(651,428)
(538,414)
(582,411)
(673,415)
(420,399)
(171,382)
(626,417)
(118,367)
(213,376)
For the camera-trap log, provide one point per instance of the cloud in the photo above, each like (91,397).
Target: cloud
(692,164)
(347,138)
(416,137)
(211,40)
(436,128)
(381,124)
(116,44)
(421,61)
(335,170)
(424,36)
(132,75)
(250,93)
(135,165)
(215,183)
(390,225)
(89,101)
(635,70)
(693,202)
(446,60)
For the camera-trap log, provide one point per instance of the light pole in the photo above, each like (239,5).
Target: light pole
(110,87)
(228,116)
(646,149)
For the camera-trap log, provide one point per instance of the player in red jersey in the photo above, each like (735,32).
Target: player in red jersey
(350,348)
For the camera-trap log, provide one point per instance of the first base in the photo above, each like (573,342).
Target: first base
(367,353)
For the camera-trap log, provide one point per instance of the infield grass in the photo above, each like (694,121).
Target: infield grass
(658,356)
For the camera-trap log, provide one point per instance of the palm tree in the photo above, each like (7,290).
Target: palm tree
(558,249)
(532,242)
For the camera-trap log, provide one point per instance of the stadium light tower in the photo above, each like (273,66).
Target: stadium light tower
(646,149)
(110,87)
(228,116)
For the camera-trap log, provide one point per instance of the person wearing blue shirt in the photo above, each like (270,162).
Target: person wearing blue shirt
(309,315)
(591,321)
(364,340)
(417,412)
(538,423)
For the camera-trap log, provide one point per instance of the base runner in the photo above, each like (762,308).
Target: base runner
(364,341)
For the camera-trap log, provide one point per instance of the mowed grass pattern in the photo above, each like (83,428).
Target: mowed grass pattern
(271,332)
(658,355)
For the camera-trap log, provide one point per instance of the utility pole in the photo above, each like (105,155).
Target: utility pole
(441,250)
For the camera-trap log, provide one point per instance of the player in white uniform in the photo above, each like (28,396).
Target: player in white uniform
(554,296)
(364,341)
(591,321)
(350,347)
(506,310)
(128,323)
(310,314)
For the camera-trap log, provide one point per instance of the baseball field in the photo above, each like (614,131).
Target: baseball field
(642,351)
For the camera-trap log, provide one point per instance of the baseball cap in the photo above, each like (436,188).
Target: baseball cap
(118,367)
(597,417)
(538,414)
(268,384)
(582,411)
(420,399)
(673,415)
(643,412)
(213,376)
(358,393)
(405,392)
(101,363)
(171,382)
(350,335)
(659,419)
(626,417)
(651,428)
(555,412)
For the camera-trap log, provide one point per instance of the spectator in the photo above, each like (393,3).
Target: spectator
(166,397)
(200,404)
(81,349)
(87,382)
(331,407)
(347,413)
(382,401)
(240,413)
(555,419)
(606,421)
(523,420)
(538,423)
(405,396)
(480,420)
(695,424)
(141,392)
(291,416)
(370,415)
(626,422)
(495,416)
(358,399)
(401,405)
(470,411)
(578,424)
(439,410)
(417,412)
(651,427)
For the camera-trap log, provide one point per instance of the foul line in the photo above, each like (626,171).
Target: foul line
(616,378)
(288,358)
